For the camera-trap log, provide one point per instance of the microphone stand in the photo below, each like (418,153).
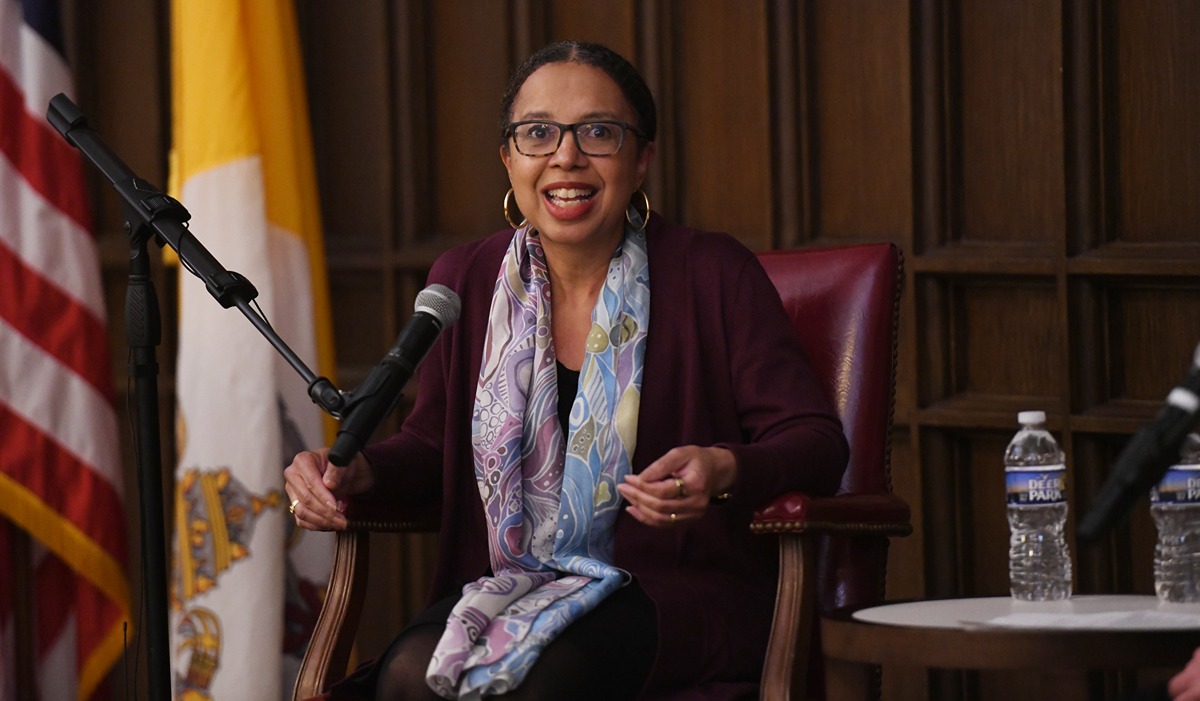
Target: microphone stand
(151,214)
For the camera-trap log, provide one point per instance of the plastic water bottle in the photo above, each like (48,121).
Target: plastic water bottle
(1039,564)
(1175,506)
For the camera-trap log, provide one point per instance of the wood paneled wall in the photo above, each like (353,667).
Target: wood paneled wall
(1038,162)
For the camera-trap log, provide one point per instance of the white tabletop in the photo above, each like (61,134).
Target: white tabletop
(1104,612)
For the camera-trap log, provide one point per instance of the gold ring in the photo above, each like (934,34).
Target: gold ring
(681,489)
(292,507)
(673,517)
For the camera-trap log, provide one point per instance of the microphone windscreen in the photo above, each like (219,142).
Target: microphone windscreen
(440,302)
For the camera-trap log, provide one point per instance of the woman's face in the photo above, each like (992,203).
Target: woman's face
(570,197)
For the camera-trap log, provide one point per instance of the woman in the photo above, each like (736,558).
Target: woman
(617,398)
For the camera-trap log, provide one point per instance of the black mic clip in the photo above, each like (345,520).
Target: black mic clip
(158,204)
(230,287)
(373,385)
(326,395)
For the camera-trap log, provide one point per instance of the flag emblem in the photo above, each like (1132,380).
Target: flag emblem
(200,633)
(217,514)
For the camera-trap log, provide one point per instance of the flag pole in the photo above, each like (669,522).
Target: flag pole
(25,662)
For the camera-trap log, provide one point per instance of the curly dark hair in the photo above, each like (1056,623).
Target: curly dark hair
(632,85)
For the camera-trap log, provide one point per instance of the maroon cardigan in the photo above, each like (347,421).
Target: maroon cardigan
(722,367)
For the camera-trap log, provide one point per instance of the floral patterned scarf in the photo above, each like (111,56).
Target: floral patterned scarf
(550,501)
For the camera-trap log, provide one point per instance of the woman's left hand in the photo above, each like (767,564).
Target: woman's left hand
(677,487)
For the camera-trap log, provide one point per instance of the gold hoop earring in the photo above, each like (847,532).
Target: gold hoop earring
(646,216)
(507,216)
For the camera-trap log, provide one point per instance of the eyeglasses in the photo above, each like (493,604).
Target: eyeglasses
(542,138)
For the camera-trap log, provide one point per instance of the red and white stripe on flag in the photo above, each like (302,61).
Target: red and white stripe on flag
(60,471)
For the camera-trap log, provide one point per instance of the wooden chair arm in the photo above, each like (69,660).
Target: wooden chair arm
(865,514)
(328,653)
(797,519)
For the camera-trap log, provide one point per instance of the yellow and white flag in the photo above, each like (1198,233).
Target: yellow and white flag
(242,165)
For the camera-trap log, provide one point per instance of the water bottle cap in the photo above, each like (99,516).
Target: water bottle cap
(1189,452)
(1031,417)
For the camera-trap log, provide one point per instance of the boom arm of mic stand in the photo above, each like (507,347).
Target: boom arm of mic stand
(323,392)
(165,216)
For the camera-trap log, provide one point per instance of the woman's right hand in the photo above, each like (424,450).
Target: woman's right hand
(316,488)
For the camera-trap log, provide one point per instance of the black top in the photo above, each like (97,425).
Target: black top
(568,385)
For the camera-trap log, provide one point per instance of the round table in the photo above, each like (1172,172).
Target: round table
(1084,632)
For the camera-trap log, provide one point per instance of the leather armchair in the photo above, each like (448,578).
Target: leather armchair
(844,304)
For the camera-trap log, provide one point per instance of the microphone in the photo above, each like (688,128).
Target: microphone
(436,307)
(1147,457)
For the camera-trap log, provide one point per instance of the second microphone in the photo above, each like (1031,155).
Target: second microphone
(436,308)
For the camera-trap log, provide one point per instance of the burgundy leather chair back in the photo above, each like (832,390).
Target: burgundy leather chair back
(843,302)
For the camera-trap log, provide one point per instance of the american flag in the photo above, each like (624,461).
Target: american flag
(62,518)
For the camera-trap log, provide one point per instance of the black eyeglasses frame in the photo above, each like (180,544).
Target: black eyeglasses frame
(510,134)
